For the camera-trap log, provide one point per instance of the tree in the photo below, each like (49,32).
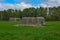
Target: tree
(1,15)
(5,15)
(11,12)
(29,12)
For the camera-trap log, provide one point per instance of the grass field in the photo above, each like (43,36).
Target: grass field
(51,31)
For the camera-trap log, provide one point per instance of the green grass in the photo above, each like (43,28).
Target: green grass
(50,31)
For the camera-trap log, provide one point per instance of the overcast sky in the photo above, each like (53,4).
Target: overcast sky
(22,4)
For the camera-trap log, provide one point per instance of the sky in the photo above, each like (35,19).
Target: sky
(22,4)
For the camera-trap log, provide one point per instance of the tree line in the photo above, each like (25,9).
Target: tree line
(54,13)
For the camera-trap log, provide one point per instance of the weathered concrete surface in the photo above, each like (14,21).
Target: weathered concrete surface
(14,19)
(32,21)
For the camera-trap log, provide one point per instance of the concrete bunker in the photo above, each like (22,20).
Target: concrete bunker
(32,21)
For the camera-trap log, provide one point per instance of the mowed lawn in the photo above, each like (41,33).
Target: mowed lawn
(50,31)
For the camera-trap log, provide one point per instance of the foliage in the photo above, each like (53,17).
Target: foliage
(54,13)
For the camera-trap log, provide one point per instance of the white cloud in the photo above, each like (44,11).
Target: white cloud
(18,6)
(6,6)
(23,5)
(15,6)
(26,1)
(43,5)
(50,3)
(54,3)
